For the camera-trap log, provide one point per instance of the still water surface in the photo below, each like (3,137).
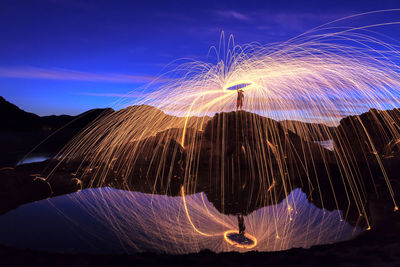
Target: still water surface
(111,221)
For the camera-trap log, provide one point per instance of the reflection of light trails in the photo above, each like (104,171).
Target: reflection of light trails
(115,221)
(237,244)
(188,216)
(146,222)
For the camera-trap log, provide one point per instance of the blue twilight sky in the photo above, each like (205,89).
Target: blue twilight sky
(67,56)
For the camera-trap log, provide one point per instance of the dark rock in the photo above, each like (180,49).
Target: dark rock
(20,187)
(255,162)
(369,145)
(309,131)
(362,136)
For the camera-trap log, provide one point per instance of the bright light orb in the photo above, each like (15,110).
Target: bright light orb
(245,241)
(243,85)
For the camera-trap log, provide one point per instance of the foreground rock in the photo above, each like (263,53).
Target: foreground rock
(19,187)
(27,183)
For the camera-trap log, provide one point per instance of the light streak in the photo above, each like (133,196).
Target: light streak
(190,220)
(237,244)
(320,77)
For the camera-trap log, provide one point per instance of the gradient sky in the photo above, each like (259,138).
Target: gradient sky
(67,56)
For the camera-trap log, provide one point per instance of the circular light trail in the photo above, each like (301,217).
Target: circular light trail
(245,241)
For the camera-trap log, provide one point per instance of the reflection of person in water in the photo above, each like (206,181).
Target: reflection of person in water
(241,224)
(240,97)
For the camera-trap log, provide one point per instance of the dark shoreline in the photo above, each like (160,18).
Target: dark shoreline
(372,248)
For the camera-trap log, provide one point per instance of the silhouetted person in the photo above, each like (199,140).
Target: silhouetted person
(240,98)
(242,228)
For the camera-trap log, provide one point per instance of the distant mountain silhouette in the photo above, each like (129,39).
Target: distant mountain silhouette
(15,119)
(22,131)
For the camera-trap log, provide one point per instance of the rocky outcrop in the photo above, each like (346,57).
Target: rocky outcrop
(309,131)
(369,145)
(253,158)
(249,161)
(361,137)
(241,160)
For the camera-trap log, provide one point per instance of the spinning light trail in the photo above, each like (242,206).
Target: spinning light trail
(321,76)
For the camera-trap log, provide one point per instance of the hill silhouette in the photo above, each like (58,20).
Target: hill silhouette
(22,131)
